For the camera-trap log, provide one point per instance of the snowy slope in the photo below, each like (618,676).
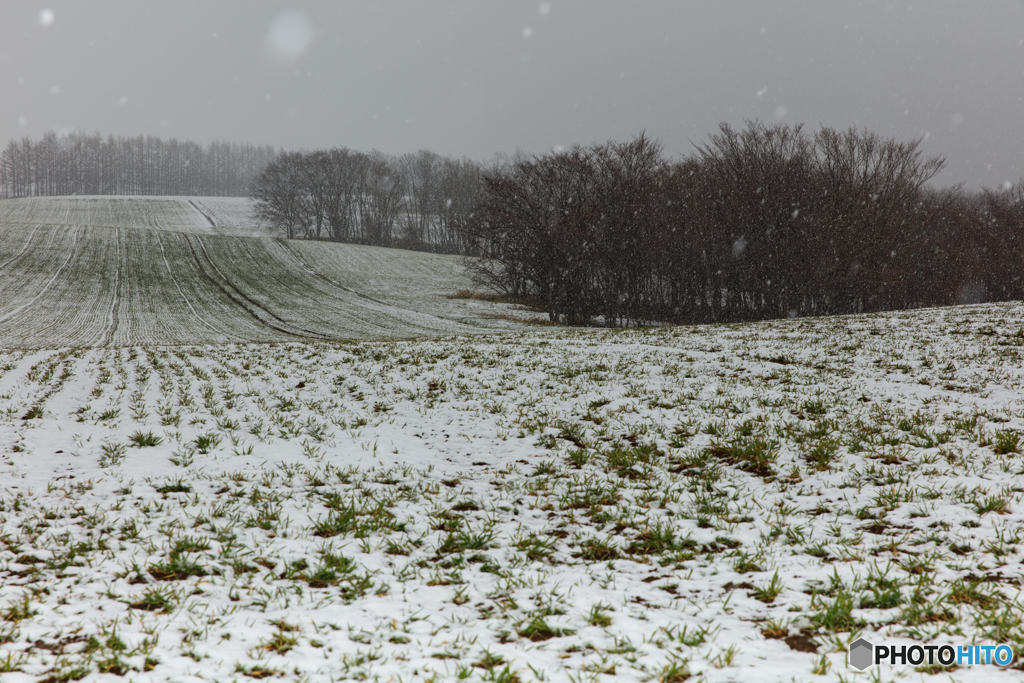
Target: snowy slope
(102,271)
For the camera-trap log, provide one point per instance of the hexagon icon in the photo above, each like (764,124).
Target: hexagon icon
(862,654)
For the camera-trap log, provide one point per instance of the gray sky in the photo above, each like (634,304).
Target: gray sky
(476,78)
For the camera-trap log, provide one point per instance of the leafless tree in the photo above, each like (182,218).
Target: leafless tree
(381,197)
(78,163)
(279,197)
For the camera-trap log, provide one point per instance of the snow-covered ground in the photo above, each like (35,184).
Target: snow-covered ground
(198,215)
(114,271)
(725,502)
(229,215)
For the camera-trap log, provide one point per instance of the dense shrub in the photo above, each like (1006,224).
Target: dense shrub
(763,222)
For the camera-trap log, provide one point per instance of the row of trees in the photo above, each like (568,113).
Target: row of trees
(764,222)
(420,201)
(88,164)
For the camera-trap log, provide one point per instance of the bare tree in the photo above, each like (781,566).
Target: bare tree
(279,195)
(421,171)
(381,197)
(78,163)
(339,172)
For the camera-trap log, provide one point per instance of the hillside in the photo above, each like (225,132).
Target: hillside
(103,271)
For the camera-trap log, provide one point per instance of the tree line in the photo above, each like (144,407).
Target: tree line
(417,201)
(764,222)
(82,164)
(761,222)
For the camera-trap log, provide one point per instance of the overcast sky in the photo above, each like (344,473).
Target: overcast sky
(473,79)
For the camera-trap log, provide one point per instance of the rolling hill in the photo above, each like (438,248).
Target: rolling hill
(115,271)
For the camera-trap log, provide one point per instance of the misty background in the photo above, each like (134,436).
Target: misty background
(474,79)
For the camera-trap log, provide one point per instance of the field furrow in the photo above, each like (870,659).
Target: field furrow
(297,296)
(76,307)
(102,271)
(393,276)
(180,287)
(168,304)
(249,283)
(10,237)
(28,277)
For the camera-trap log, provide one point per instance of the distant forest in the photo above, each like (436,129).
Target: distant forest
(79,163)
(761,222)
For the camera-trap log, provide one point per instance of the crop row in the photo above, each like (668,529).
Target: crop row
(88,285)
(717,503)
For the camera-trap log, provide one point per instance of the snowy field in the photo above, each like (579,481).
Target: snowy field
(103,271)
(721,503)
